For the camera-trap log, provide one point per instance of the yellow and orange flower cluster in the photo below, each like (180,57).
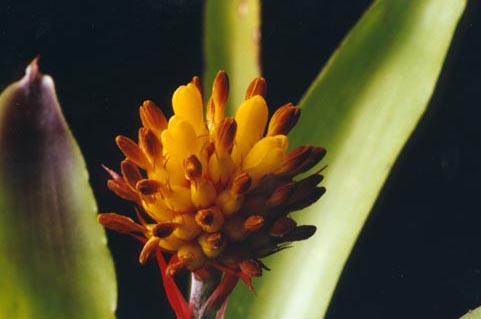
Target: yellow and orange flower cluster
(217,191)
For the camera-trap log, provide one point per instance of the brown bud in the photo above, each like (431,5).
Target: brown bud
(150,144)
(164,229)
(150,246)
(122,190)
(148,186)
(301,200)
(225,136)
(295,159)
(282,226)
(256,87)
(220,92)
(192,167)
(251,268)
(283,120)
(300,233)
(241,184)
(317,154)
(152,117)
(253,223)
(130,172)
(119,223)
(308,183)
(281,194)
(132,151)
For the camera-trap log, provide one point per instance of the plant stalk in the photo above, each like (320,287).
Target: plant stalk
(201,289)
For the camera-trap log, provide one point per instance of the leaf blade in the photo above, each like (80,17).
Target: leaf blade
(58,264)
(368,99)
(232,44)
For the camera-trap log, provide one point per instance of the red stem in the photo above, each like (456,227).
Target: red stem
(175,297)
(219,297)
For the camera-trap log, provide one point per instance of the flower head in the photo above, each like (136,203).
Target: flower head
(216,190)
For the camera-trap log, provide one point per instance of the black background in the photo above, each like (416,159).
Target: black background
(419,254)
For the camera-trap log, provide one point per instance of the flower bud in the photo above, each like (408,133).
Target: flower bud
(191,256)
(130,173)
(241,183)
(256,87)
(187,228)
(192,168)
(119,223)
(283,225)
(220,92)
(253,223)
(251,268)
(148,186)
(164,229)
(300,200)
(283,120)
(132,151)
(295,159)
(228,202)
(210,219)
(152,117)
(281,194)
(300,233)
(122,190)
(212,244)
(225,135)
(150,145)
(150,246)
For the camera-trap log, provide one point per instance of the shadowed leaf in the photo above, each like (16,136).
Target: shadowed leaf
(55,262)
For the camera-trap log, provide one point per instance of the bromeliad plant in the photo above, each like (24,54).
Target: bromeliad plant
(214,192)
(217,193)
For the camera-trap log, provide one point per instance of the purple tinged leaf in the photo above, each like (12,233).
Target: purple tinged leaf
(55,262)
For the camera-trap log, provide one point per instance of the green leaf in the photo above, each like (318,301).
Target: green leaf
(362,107)
(473,314)
(232,44)
(55,262)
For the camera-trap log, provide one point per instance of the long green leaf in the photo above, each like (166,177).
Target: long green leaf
(232,44)
(362,107)
(473,314)
(54,259)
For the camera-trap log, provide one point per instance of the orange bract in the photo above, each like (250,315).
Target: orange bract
(216,190)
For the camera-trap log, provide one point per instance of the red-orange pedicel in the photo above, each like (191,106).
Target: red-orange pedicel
(215,191)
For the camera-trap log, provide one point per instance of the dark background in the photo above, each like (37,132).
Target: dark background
(419,254)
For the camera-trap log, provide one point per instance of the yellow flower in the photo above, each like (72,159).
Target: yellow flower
(217,191)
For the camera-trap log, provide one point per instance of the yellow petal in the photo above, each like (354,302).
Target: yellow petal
(220,168)
(155,207)
(266,156)
(187,228)
(251,118)
(187,105)
(171,243)
(203,193)
(178,199)
(180,140)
